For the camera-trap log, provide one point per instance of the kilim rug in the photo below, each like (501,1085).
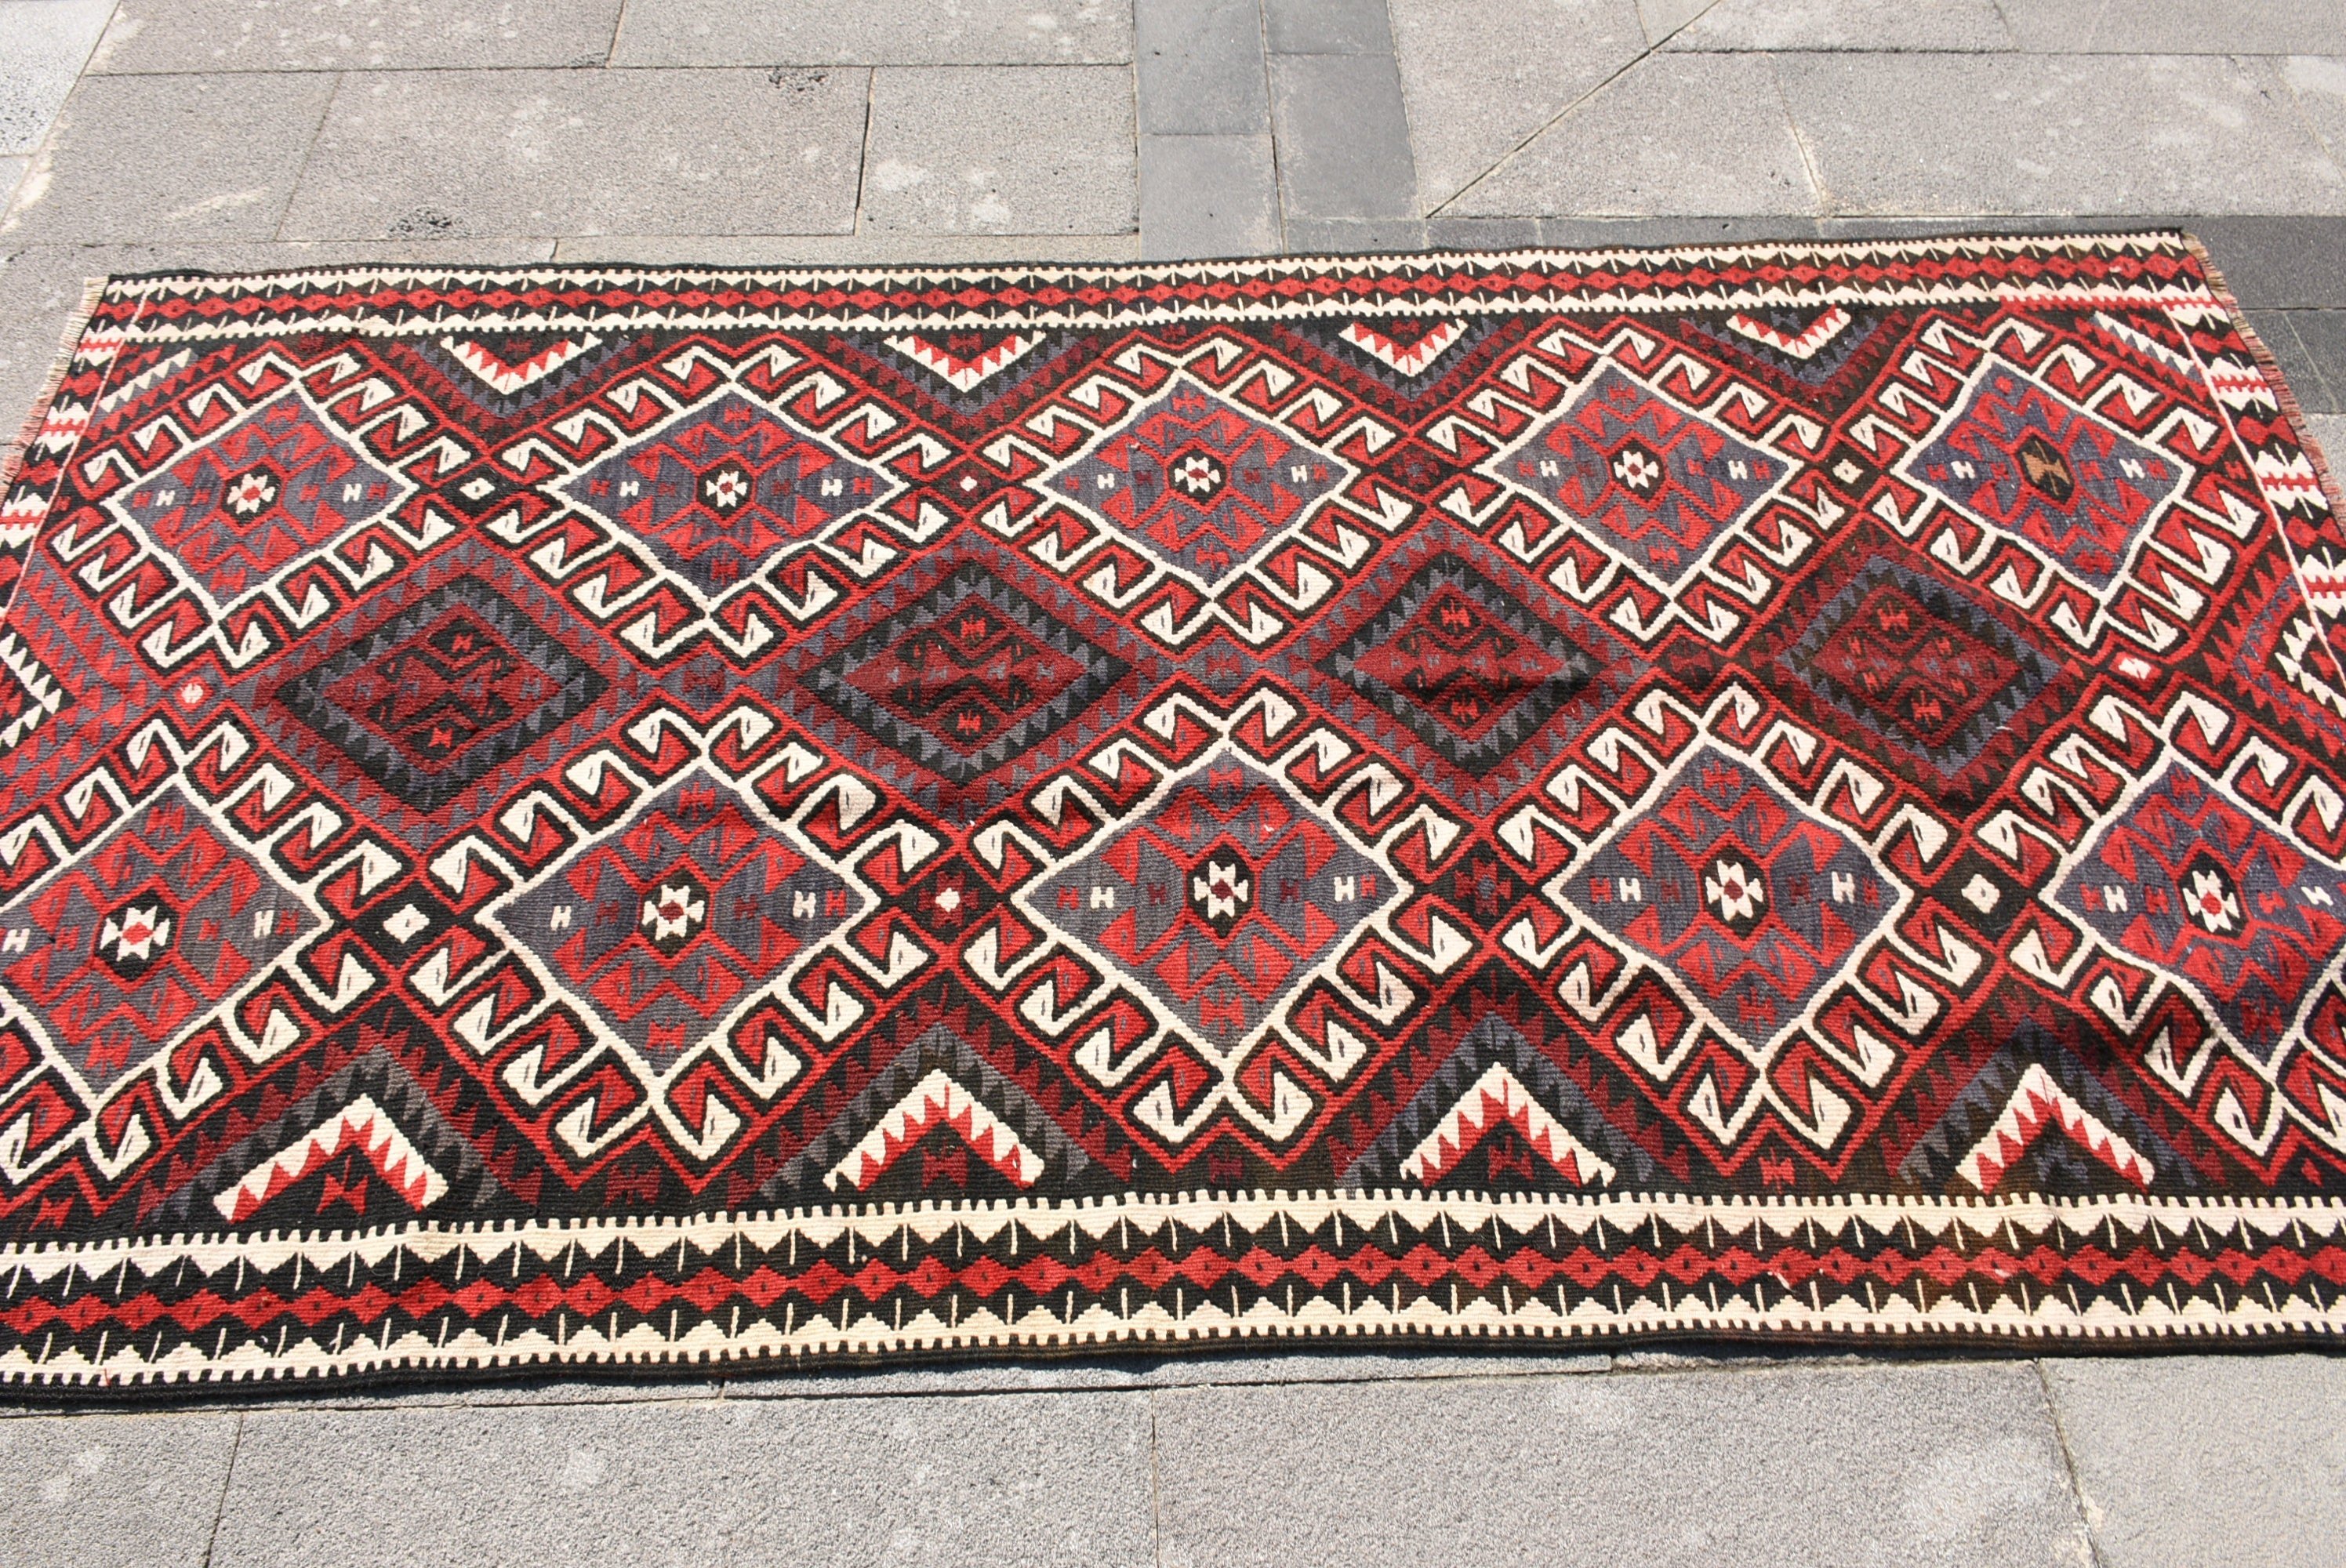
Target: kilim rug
(611,817)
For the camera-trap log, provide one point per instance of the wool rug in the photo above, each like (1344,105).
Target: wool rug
(630,816)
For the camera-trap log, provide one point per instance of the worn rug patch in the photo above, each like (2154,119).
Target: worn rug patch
(616,817)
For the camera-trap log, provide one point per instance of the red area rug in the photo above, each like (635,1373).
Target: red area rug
(612,817)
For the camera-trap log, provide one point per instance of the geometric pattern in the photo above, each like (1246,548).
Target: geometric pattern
(1653,480)
(720,488)
(2185,880)
(1220,901)
(430,700)
(235,508)
(1725,882)
(660,933)
(1937,677)
(1468,668)
(120,955)
(1199,482)
(966,677)
(621,818)
(2021,457)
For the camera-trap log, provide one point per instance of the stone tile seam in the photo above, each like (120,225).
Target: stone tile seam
(1440,207)
(862,148)
(765,67)
(2068,1460)
(810,63)
(309,153)
(1408,119)
(1819,52)
(732,1392)
(228,1479)
(2336,149)
(1156,1491)
(1653,46)
(1819,193)
(1277,183)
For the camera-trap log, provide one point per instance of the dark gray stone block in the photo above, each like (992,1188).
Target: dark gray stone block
(1199,65)
(1206,196)
(2322,336)
(1327,27)
(1353,237)
(2277,330)
(2278,263)
(1343,137)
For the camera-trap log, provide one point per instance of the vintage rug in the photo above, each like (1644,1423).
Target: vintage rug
(618,817)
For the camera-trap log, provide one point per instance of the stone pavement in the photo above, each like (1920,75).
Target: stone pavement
(280,133)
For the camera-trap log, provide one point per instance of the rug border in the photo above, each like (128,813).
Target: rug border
(1011,1342)
(2269,365)
(1323,260)
(623,275)
(92,294)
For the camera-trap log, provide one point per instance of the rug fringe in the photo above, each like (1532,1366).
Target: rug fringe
(2265,361)
(93,290)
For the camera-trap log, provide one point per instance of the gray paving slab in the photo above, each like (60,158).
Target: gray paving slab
(980,150)
(1326,28)
(888,249)
(1061,1478)
(2317,82)
(46,43)
(1911,1465)
(168,157)
(1343,137)
(12,169)
(1198,68)
(2283,263)
(1482,76)
(2322,336)
(128,1491)
(2327,431)
(1930,25)
(354,35)
(444,154)
(2277,330)
(2164,133)
(1481,233)
(1661,19)
(1598,233)
(2177,27)
(2206,1462)
(1354,236)
(1208,1370)
(1208,196)
(874,33)
(1675,136)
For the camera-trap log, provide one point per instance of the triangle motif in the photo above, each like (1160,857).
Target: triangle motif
(936,1098)
(964,372)
(2039,1105)
(1804,345)
(1410,358)
(506,378)
(362,1123)
(1499,1096)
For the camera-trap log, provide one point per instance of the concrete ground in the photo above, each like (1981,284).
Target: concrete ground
(275,133)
